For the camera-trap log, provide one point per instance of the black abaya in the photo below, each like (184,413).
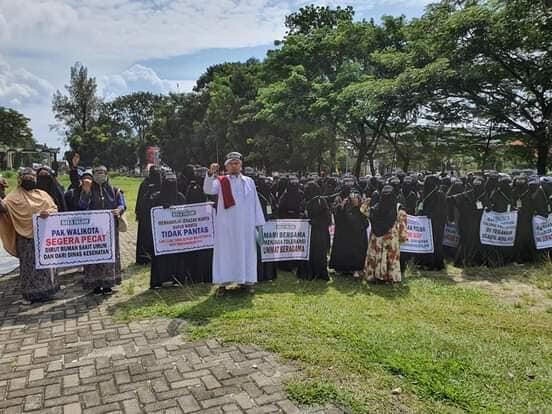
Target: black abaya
(320,218)
(350,239)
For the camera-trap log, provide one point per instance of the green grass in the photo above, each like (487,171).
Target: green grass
(448,346)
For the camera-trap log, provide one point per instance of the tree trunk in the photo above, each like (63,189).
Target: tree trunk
(372,165)
(362,150)
(333,150)
(543,148)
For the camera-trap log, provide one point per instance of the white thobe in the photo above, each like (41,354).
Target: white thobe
(235,252)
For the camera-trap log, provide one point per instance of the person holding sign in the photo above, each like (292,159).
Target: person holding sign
(16,230)
(388,223)
(500,201)
(524,246)
(470,205)
(199,263)
(320,217)
(266,270)
(168,267)
(150,185)
(434,206)
(238,223)
(98,194)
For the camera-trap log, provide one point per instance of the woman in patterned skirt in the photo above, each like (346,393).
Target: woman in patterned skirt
(388,224)
(16,230)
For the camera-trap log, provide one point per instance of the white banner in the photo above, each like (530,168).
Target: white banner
(451,237)
(286,240)
(542,232)
(420,235)
(183,228)
(74,239)
(498,229)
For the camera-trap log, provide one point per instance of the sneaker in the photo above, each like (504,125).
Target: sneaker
(98,291)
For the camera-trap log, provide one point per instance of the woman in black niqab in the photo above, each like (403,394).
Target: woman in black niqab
(524,247)
(150,185)
(350,241)
(46,181)
(383,215)
(199,263)
(434,206)
(319,214)
(470,205)
(170,267)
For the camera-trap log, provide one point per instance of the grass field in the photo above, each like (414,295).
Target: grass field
(446,340)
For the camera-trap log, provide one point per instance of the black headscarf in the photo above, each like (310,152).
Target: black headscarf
(384,214)
(49,184)
(168,194)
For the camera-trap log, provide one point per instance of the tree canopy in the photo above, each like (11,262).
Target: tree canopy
(449,87)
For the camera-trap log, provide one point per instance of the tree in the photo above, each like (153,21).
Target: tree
(311,18)
(500,61)
(14,129)
(137,110)
(78,110)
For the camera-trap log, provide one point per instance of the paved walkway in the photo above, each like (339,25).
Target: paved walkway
(69,356)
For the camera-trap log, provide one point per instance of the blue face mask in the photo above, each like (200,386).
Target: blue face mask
(100,178)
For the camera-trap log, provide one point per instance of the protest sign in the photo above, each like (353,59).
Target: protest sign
(451,237)
(184,228)
(74,239)
(420,235)
(498,229)
(286,240)
(542,232)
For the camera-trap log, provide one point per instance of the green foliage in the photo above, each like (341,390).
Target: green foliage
(15,131)
(77,111)
(460,83)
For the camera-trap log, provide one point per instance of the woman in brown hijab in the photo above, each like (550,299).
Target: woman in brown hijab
(16,230)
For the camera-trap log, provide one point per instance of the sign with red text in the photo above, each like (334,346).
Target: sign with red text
(179,229)
(542,232)
(74,239)
(498,229)
(451,237)
(420,235)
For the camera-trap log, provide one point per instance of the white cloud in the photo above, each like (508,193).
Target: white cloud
(131,30)
(140,78)
(19,87)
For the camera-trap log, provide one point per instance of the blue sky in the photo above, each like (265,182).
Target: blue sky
(129,45)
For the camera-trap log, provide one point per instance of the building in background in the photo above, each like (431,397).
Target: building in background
(14,157)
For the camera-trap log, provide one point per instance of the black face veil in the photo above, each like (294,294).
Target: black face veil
(384,214)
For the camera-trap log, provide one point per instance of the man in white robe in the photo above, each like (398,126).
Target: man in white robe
(238,223)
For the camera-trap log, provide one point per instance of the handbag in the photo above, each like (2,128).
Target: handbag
(123,223)
(121,219)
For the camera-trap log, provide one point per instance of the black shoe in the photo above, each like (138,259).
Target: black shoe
(98,291)
(107,291)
